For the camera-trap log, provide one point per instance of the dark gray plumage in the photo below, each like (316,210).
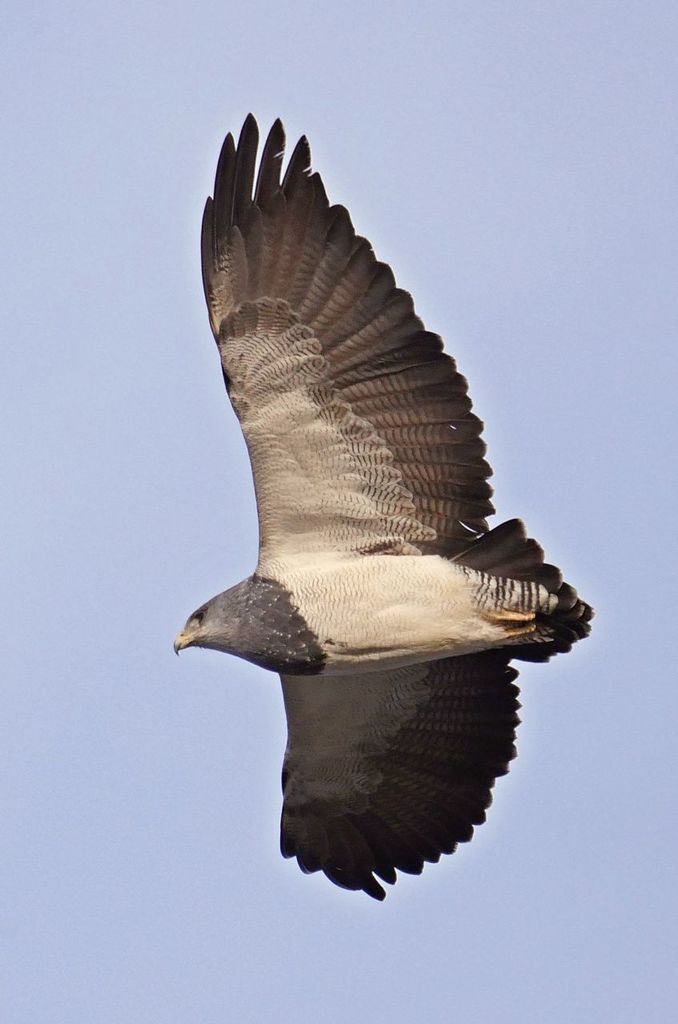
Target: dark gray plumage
(380,596)
(258,620)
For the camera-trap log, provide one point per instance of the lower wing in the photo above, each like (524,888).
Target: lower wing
(386,770)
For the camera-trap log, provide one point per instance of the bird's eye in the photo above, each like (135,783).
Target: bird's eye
(198,617)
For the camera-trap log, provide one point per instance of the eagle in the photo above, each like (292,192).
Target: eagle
(389,608)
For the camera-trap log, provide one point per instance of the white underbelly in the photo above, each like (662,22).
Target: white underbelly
(388,610)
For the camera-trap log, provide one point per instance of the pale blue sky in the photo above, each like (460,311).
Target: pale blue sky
(517,165)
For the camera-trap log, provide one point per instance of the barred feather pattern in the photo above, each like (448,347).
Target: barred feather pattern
(323,479)
(281,244)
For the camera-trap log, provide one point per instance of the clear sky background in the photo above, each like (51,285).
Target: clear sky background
(516,163)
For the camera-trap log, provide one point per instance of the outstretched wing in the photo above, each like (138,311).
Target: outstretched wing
(358,425)
(386,770)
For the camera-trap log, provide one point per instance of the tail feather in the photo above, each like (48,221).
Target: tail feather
(508,553)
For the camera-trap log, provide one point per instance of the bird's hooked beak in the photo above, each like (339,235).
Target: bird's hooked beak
(184,639)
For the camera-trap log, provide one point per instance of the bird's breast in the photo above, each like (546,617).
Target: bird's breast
(378,610)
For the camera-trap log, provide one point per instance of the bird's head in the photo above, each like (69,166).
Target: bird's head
(256,620)
(212,625)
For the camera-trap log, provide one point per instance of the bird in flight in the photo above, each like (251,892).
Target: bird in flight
(388,607)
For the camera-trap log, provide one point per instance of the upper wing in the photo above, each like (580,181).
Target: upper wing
(358,425)
(387,770)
